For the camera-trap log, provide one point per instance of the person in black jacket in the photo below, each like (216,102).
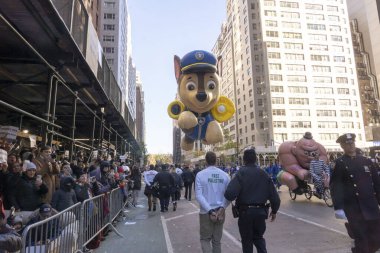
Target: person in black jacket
(176,190)
(188,180)
(252,188)
(65,196)
(136,178)
(355,191)
(166,183)
(29,190)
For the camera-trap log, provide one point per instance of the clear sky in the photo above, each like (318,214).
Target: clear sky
(160,30)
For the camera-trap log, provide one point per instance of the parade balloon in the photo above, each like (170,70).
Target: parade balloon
(200,107)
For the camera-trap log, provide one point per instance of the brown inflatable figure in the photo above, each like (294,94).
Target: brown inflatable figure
(295,158)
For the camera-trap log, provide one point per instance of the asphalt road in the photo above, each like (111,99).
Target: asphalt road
(302,226)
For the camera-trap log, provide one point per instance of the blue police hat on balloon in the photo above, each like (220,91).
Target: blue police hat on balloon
(198,61)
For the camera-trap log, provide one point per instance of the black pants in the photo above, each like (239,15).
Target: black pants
(176,193)
(252,228)
(164,198)
(188,188)
(366,235)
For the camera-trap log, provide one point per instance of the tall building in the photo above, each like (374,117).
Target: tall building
(365,27)
(140,110)
(114,33)
(92,7)
(131,95)
(289,66)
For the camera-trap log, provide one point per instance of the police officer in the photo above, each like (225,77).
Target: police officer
(252,188)
(165,184)
(355,190)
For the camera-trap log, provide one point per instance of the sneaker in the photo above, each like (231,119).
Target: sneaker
(174,207)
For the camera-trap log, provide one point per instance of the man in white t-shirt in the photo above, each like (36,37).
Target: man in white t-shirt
(148,179)
(210,185)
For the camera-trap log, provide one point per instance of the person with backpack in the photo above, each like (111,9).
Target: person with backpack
(188,180)
(176,190)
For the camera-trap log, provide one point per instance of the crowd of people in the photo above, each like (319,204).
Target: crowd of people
(35,185)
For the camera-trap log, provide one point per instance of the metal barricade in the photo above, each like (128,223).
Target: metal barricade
(116,203)
(56,234)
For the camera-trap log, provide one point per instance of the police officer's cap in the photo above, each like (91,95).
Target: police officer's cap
(346,138)
(198,61)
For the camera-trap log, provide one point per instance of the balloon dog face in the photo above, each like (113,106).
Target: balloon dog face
(199,91)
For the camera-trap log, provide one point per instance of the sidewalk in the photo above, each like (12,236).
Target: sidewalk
(142,231)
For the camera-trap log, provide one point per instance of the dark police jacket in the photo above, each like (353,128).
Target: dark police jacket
(164,179)
(355,187)
(251,185)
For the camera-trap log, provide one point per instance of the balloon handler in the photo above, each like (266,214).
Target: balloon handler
(200,107)
(295,158)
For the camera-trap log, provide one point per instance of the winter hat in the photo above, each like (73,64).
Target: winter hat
(45,208)
(120,170)
(104,164)
(30,166)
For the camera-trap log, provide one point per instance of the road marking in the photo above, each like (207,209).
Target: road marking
(313,223)
(225,232)
(180,216)
(232,238)
(167,238)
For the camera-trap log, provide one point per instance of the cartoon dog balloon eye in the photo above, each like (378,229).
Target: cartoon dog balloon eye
(190,86)
(211,85)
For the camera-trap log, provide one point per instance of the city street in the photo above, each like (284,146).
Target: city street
(301,226)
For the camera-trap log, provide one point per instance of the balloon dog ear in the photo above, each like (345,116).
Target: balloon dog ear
(177,67)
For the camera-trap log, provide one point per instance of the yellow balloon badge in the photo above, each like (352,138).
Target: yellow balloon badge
(175,108)
(223,110)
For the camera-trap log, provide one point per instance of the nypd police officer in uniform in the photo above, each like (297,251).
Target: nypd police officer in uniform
(252,188)
(355,190)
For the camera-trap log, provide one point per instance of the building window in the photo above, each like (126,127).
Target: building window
(339,59)
(340,69)
(273,77)
(297,136)
(109,4)
(294,56)
(336,38)
(344,102)
(289,45)
(310,16)
(342,80)
(326,113)
(272,33)
(277,89)
(300,124)
(297,89)
(272,44)
(328,136)
(324,101)
(110,61)
(108,27)
(296,78)
(333,18)
(270,13)
(289,4)
(313,6)
(300,113)
(292,25)
(320,37)
(298,101)
(320,27)
(327,124)
(279,124)
(332,8)
(109,50)
(317,68)
(322,79)
(269,3)
(109,15)
(274,55)
(278,100)
(109,38)
(343,91)
(274,66)
(290,15)
(295,67)
(316,47)
(347,124)
(323,90)
(290,35)
(346,113)
(271,23)
(278,112)
(315,57)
